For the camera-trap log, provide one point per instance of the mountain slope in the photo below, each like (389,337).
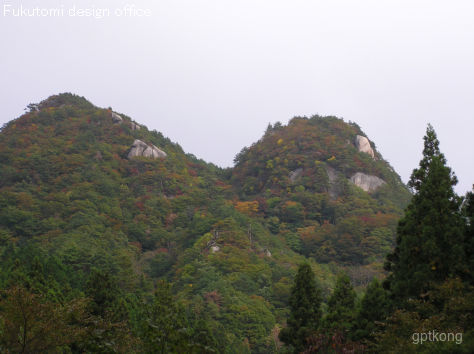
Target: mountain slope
(84,188)
(326,187)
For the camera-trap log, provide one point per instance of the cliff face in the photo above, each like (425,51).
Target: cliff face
(366,182)
(363,145)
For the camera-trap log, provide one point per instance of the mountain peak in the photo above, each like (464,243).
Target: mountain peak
(61,100)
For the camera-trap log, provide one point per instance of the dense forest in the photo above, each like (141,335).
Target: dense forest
(113,239)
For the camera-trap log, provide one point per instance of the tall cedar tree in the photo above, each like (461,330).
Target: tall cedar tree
(341,305)
(429,245)
(374,307)
(305,306)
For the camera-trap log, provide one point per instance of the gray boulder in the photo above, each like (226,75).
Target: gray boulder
(367,182)
(139,148)
(363,145)
(117,118)
(294,175)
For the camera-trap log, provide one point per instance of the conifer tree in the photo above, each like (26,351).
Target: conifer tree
(468,213)
(103,291)
(374,307)
(165,326)
(305,306)
(341,305)
(429,245)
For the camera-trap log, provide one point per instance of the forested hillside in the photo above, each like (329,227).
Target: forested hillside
(112,234)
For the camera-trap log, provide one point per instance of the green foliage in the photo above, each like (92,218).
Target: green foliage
(404,327)
(164,330)
(341,306)
(300,175)
(31,324)
(430,236)
(374,308)
(80,223)
(103,292)
(305,309)
(468,213)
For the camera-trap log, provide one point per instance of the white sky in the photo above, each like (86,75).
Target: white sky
(211,75)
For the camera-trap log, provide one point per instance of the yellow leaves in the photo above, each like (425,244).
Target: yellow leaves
(332,158)
(291,203)
(248,208)
(280,141)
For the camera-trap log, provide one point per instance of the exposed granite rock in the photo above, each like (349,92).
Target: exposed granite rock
(367,182)
(363,144)
(135,126)
(294,175)
(332,176)
(116,118)
(215,248)
(139,148)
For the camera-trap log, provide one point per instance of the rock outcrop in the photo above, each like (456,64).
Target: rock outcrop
(332,176)
(139,148)
(117,118)
(367,182)
(294,175)
(135,126)
(363,144)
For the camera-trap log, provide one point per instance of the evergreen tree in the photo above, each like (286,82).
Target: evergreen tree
(429,245)
(341,305)
(305,307)
(468,211)
(103,291)
(202,337)
(165,325)
(374,307)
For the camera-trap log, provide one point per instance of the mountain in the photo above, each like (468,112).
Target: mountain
(85,189)
(327,188)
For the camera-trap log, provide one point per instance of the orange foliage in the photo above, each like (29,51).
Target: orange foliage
(248,208)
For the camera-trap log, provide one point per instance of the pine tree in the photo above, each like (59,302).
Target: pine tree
(341,305)
(429,245)
(305,305)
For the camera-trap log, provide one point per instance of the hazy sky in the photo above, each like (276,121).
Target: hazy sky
(211,75)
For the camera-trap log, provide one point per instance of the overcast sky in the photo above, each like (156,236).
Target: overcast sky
(211,75)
